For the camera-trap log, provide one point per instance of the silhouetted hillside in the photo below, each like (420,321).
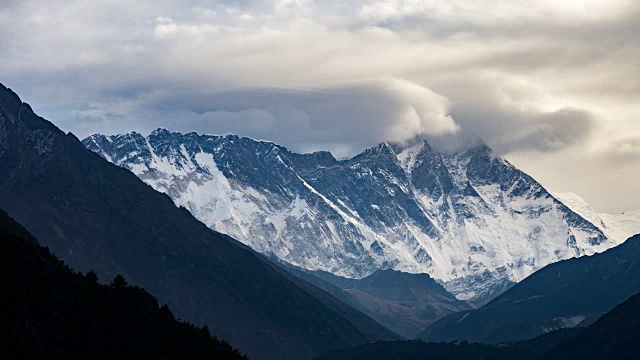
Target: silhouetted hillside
(49,311)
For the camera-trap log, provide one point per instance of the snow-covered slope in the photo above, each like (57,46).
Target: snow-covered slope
(469,219)
(618,227)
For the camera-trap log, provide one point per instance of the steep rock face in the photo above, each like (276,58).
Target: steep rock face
(469,219)
(94,215)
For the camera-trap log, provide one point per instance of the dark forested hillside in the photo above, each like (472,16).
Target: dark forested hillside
(49,311)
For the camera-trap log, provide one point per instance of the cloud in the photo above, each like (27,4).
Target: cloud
(528,77)
(343,118)
(520,129)
(624,152)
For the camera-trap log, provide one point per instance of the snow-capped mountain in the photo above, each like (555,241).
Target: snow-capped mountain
(469,219)
(617,227)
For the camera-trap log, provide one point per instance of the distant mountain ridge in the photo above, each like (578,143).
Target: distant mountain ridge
(469,219)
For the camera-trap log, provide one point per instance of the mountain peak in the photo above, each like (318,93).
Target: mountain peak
(383,149)
(445,145)
(480,149)
(9,98)
(159,132)
(21,128)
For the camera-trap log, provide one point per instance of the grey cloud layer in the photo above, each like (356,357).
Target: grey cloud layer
(549,77)
(343,118)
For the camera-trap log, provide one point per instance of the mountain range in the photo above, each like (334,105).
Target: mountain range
(402,240)
(468,218)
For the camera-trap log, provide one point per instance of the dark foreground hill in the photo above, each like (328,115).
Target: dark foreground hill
(49,311)
(569,293)
(97,216)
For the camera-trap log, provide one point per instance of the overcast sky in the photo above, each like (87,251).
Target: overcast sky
(553,86)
